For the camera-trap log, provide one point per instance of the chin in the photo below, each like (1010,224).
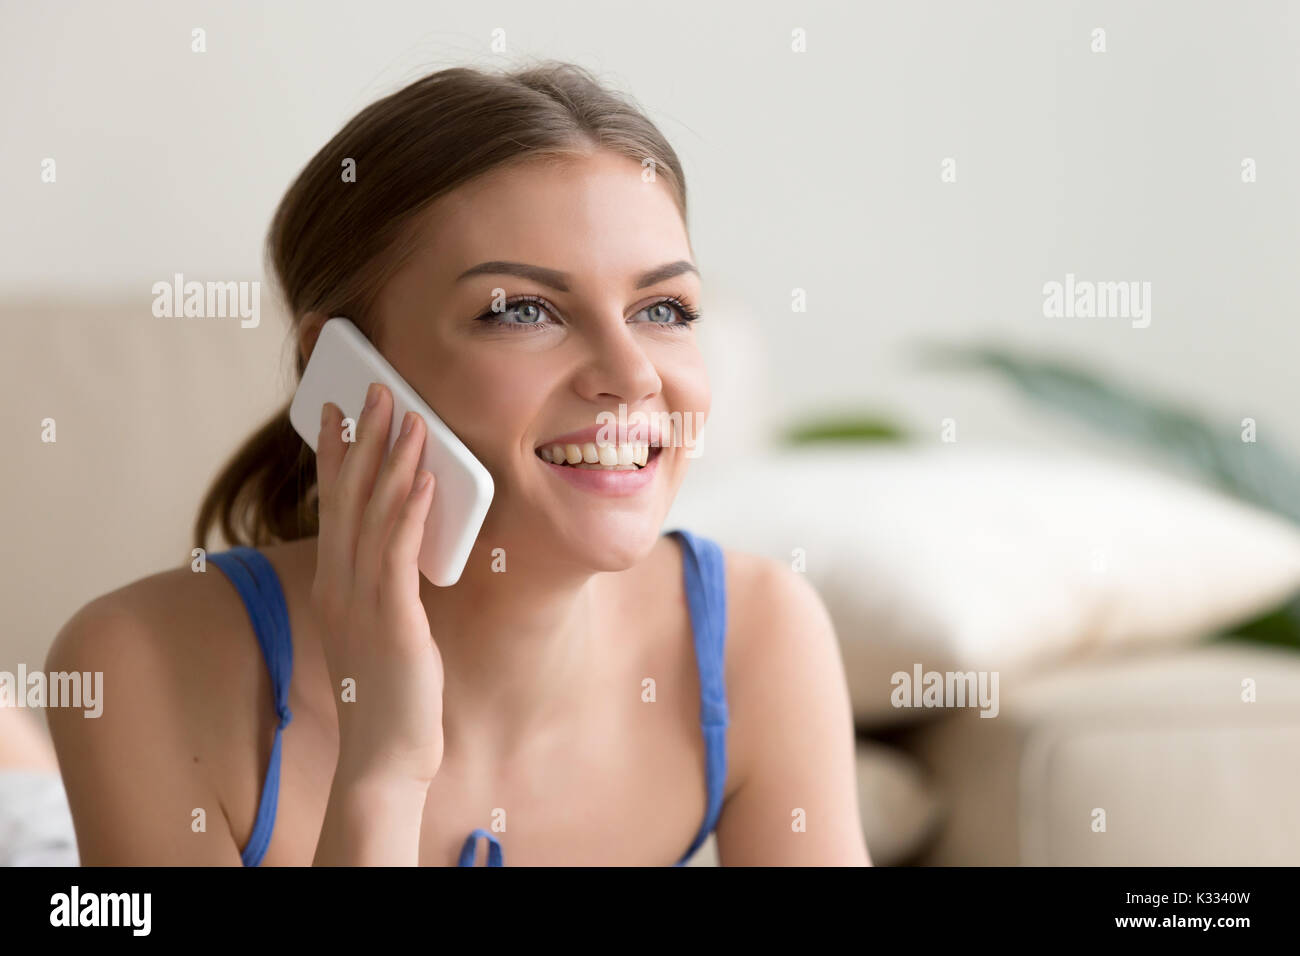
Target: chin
(613,542)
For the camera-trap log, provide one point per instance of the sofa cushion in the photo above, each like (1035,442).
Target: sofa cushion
(1165,747)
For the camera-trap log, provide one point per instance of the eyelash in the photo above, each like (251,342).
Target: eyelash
(690,314)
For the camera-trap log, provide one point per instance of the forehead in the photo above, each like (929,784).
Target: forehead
(592,215)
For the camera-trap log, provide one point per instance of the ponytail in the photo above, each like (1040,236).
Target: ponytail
(263,494)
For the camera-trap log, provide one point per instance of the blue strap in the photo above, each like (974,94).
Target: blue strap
(467,852)
(258,585)
(704,573)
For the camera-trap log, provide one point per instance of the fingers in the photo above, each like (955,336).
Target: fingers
(356,477)
(392,487)
(330,451)
(347,475)
(401,574)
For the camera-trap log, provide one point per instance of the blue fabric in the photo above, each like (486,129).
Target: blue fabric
(471,847)
(704,577)
(259,586)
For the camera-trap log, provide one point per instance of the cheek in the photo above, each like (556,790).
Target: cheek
(686,385)
(688,397)
(488,403)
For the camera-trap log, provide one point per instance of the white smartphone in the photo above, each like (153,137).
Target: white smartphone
(341,368)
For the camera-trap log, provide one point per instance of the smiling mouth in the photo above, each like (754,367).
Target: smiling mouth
(591,456)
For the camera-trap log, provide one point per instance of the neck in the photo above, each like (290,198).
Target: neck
(517,646)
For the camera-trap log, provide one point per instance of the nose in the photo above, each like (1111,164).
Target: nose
(616,368)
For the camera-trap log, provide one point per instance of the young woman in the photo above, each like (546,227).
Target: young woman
(591,691)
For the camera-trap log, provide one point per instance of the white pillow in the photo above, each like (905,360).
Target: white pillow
(994,560)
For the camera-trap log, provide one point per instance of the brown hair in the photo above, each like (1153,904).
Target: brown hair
(334,244)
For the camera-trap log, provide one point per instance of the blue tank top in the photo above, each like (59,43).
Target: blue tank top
(706,596)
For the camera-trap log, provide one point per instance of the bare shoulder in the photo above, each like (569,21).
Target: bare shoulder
(783,657)
(771,610)
(791,725)
(184,636)
(161,621)
(170,653)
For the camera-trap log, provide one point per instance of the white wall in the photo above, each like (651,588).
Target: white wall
(817,170)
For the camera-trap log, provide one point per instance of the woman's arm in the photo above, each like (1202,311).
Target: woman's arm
(130,774)
(791,741)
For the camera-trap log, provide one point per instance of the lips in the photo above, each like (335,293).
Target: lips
(609,480)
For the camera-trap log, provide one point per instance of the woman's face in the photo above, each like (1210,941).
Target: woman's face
(599,255)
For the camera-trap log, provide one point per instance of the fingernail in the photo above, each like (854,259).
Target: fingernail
(408,422)
(325,413)
(372,395)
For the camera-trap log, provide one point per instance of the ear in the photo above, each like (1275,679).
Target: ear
(308,331)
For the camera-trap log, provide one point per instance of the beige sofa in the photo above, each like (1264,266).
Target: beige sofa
(1185,772)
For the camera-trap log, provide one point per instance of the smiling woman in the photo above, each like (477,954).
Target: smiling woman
(505,250)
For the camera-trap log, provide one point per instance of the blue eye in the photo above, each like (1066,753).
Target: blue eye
(525,311)
(530,311)
(670,311)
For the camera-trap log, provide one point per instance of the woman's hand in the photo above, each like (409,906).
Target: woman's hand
(366,597)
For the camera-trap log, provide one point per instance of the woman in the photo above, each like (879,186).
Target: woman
(590,691)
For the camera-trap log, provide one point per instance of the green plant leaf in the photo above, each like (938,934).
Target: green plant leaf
(844,429)
(1279,627)
(1252,471)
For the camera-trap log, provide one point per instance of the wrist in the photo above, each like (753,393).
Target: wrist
(372,821)
(374,778)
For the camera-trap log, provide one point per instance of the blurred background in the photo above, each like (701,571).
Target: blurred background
(1101,509)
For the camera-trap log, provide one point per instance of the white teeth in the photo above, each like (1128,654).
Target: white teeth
(589,455)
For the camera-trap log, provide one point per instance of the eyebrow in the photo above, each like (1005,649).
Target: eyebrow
(560,280)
